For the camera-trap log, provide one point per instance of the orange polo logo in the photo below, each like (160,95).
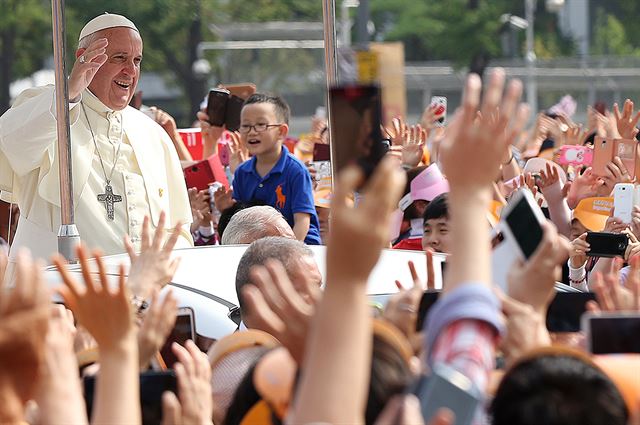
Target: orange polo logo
(281,198)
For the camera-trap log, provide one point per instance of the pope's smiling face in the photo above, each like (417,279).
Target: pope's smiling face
(115,82)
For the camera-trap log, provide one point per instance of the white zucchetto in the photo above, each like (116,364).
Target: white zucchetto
(107,20)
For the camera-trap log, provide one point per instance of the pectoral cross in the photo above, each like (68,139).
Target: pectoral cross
(109,199)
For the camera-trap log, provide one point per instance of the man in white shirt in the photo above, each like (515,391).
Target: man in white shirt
(124,164)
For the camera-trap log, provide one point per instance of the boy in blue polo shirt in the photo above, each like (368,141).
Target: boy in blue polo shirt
(273,175)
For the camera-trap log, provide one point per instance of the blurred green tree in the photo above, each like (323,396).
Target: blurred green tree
(25,41)
(460,30)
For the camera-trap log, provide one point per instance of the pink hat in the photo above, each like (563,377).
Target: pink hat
(425,186)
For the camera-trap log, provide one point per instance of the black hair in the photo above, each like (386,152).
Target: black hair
(283,112)
(437,208)
(590,140)
(557,389)
(390,375)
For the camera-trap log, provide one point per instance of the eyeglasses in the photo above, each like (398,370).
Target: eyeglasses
(259,128)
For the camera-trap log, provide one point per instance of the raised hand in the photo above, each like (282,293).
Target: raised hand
(575,135)
(532,282)
(87,63)
(194,406)
(153,267)
(105,312)
(363,230)
(156,326)
(578,252)
(238,151)
(59,395)
(611,295)
(526,328)
(24,316)
(586,185)
(472,152)
(549,177)
(223,198)
(279,308)
(402,308)
(627,121)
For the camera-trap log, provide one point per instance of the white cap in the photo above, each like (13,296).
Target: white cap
(108,20)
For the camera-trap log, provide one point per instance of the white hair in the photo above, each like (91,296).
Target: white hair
(254,223)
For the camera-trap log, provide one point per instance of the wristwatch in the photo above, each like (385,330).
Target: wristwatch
(139,303)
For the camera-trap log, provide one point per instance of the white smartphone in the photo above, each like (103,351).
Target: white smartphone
(441,109)
(636,195)
(623,201)
(612,333)
(517,235)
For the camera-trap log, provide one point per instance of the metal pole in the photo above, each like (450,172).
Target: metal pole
(330,64)
(68,236)
(532,89)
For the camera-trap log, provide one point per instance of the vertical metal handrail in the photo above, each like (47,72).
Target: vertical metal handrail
(330,64)
(68,236)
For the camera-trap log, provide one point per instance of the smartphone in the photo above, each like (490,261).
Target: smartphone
(441,109)
(183,330)
(566,310)
(217,106)
(356,112)
(232,113)
(602,155)
(446,387)
(626,150)
(623,201)
(517,235)
(427,301)
(604,244)
(574,155)
(321,152)
(152,385)
(612,333)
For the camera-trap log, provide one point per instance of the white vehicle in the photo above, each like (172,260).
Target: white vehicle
(205,281)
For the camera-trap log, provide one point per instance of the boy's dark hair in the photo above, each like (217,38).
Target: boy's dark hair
(555,389)
(283,112)
(437,208)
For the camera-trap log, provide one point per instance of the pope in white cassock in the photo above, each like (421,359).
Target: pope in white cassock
(124,164)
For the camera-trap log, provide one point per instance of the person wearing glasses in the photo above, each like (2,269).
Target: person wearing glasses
(273,175)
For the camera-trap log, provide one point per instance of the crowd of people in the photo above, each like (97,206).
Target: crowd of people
(308,351)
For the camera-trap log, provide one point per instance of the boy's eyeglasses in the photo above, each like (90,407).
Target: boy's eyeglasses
(259,128)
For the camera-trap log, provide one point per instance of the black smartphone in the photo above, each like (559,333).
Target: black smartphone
(427,301)
(447,387)
(612,333)
(524,219)
(566,309)
(183,330)
(356,114)
(217,106)
(602,244)
(321,152)
(232,114)
(152,385)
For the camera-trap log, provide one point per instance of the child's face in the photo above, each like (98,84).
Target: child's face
(265,142)
(436,235)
